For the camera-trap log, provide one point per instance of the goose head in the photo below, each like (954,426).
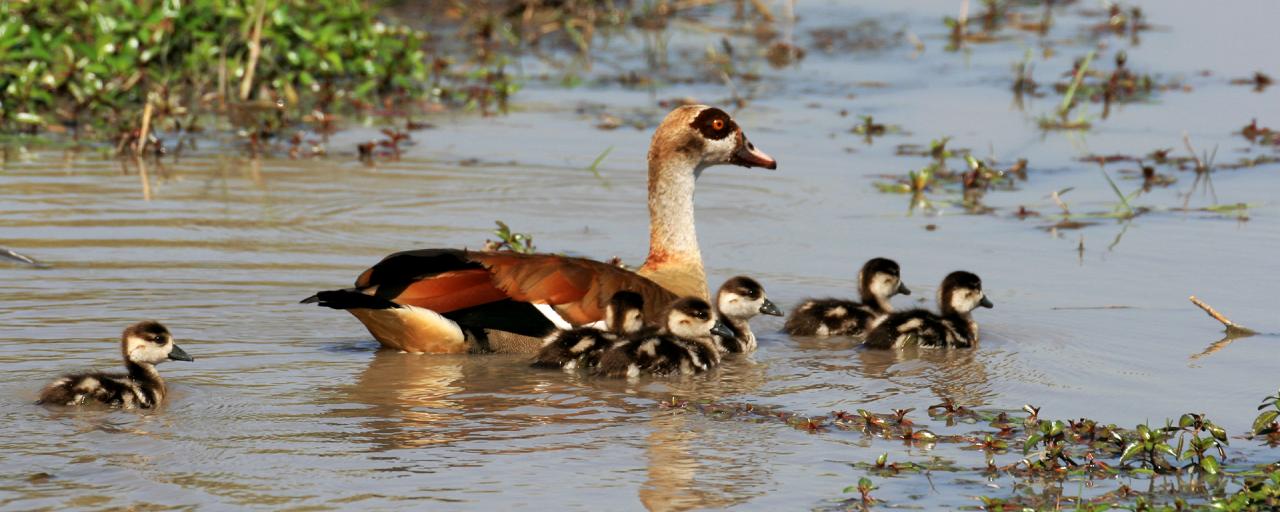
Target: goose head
(961,292)
(692,318)
(150,343)
(625,313)
(742,298)
(879,279)
(694,137)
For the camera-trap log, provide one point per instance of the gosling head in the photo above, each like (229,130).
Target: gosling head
(961,292)
(704,136)
(692,318)
(879,279)
(149,342)
(625,313)
(742,298)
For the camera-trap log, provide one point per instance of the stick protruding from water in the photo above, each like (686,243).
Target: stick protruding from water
(1233,329)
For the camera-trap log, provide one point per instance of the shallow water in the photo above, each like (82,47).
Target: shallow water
(291,406)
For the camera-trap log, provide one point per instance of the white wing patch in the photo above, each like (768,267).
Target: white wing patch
(551,314)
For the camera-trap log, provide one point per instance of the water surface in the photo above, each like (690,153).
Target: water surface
(291,406)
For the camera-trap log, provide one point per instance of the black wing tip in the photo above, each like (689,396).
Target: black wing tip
(348,299)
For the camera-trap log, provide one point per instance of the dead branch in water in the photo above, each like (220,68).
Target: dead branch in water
(1233,328)
(9,254)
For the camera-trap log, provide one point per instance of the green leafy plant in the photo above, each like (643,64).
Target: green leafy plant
(510,241)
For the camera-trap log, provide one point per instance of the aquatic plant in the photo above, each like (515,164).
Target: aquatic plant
(509,240)
(1191,452)
(93,65)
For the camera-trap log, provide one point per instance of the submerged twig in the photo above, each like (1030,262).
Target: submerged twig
(10,254)
(1232,327)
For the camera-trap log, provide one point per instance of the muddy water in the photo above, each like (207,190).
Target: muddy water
(289,406)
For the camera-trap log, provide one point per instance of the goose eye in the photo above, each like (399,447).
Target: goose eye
(717,124)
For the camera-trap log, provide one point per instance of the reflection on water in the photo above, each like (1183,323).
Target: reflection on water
(959,375)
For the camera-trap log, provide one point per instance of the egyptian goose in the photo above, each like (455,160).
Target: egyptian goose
(959,294)
(739,300)
(581,347)
(686,344)
(458,301)
(878,280)
(144,345)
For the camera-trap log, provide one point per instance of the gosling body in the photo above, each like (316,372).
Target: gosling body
(581,347)
(960,293)
(143,346)
(685,345)
(878,280)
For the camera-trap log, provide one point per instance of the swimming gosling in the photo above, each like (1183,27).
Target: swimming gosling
(960,293)
(143,345)
(878,280)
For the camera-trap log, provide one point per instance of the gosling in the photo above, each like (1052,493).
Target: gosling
(959,294)
(581,347)
(879,279)
(739,300)
(686,344)
(143,345)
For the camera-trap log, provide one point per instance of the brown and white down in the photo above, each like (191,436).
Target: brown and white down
(685,345)
(960,293)
(581,347)
(739,300)
(878,281)
(143,346)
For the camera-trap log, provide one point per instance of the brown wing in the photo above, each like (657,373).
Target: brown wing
(579,288)
(451,280)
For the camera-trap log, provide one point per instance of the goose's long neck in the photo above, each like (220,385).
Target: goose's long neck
(674,259)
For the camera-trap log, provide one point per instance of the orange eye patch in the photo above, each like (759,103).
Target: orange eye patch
(717,124)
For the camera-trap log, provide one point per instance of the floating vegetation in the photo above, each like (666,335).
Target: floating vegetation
(971,183)
(1186,460)
(1259,81)
(509,240)
(870,129)
(1260,135)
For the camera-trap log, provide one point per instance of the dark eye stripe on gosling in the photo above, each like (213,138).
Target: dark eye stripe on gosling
(685,345)
(740,299)
(878,280)
(142,345)
(581,347)
(954,327)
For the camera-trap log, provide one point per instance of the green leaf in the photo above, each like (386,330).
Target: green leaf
(1264,420)
(1123,200)
(1031,442)
(1209,465)
(1218,433)
(1130,451)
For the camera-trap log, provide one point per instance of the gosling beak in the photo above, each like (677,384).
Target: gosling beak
(177,354)
(720,329)
(986,303)
(748,156)
(902,289)
(769,308)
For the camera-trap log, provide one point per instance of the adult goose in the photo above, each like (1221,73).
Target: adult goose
(459,301)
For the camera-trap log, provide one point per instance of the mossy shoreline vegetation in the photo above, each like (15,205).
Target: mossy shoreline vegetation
(89,69)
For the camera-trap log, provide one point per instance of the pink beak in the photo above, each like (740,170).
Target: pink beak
(749,156)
